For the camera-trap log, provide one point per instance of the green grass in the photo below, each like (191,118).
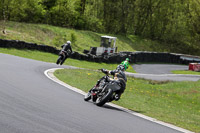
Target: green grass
(185,72)
(177,103)
(48,57)
(56,36)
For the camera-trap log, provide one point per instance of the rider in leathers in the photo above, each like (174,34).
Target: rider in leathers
(66,47)
(118,76)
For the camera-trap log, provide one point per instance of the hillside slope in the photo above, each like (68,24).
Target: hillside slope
(56,36)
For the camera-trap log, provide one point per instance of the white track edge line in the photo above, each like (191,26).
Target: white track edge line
(50,75)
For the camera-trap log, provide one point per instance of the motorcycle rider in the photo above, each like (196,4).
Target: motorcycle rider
(65,48)
(118,76)
(126,62)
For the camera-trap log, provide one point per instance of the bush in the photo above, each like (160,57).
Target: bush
(73,38)
(57,41)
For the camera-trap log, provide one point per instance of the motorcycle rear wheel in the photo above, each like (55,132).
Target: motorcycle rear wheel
(103,99)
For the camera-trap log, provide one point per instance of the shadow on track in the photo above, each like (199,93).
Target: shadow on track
(117,109)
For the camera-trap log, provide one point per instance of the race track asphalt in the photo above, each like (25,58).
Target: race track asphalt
(32,103)
(158,68)
(162,72)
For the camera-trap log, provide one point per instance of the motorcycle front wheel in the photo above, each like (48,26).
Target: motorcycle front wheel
(104,98)
(58,60)
(63,60)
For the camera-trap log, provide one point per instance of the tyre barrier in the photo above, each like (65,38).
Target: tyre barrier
(135,57)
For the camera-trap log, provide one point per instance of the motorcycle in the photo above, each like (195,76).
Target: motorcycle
(62,56)
(104,92)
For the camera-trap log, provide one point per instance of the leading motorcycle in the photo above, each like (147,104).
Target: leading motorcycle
(104,92)
(63,55)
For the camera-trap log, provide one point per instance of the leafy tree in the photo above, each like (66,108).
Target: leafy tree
(48,4)
(4,11)
(93,15)
(174,22)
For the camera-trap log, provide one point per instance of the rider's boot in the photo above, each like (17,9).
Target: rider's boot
(117,97)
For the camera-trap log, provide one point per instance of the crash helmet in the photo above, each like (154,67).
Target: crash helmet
(127,59)
(68,42)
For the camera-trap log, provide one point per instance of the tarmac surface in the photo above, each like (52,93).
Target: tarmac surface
(162,72)
(158,68)
(32,103)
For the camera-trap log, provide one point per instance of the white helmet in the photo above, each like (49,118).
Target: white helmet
(68,42)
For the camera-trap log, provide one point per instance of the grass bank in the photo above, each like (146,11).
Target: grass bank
(56,36)
(177,103)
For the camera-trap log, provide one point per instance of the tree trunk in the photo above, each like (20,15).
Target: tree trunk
(4,18)
(83,6)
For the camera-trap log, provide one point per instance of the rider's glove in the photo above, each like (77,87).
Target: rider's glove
(104,71)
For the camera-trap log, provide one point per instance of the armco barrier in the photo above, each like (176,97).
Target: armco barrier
(139,56)
(24,45)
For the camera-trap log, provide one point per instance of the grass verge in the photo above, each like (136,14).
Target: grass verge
(48,57)
(185,72)
(177,103)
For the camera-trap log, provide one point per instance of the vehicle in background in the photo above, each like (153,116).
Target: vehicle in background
(107,46)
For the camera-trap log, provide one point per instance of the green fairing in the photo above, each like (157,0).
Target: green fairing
(125,64)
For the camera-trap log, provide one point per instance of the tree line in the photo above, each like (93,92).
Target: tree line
(173,22)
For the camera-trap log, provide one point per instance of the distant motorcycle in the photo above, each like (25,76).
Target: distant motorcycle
(63,55)
(104,92)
